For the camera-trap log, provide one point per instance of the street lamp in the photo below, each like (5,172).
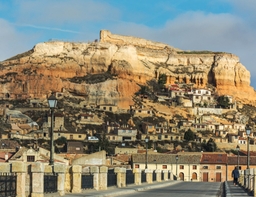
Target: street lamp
(146,140)
(177,158)
(238,149)
(52,101)
(248,132)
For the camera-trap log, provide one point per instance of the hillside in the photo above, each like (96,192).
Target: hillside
(112,70)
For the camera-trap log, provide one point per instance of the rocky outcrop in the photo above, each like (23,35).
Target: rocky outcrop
(111,71)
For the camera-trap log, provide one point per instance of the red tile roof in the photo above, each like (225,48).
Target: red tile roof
(214,158)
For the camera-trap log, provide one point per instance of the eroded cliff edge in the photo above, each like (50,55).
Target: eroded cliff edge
(111,70)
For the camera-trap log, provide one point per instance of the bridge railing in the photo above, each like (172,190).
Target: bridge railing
(247,179)
(40,178)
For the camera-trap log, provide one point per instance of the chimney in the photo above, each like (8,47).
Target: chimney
(6,156)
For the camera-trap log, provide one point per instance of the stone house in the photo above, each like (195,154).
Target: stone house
(58,121)
(69,135)
(201,96)
(127,133)
(159,137)
(36,154)
(161,128)
(75,147)
(241,140)
(125,150)
(213,167)
(111,108)
(175,93)
(88,118)
(186,166)
(239,127)
(148,128)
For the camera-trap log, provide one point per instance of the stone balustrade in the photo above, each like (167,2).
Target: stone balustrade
(30,178)
(247,180)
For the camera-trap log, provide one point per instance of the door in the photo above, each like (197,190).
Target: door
(181,176)
(218,177)
(205,177)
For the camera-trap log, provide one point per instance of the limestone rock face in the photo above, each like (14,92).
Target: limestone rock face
(111,70)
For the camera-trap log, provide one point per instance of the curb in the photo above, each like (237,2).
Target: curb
(132,190)
(227,190)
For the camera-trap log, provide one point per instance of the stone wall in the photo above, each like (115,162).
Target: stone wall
(98,158)
(107,36)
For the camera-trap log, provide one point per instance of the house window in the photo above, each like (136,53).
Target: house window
(79,136)
(30,158)
(194,167)
(104,108)
(71,137)
(166,136)
(218,167)
(137,166)
(205,167)
(181,167)
(110,108)
(164,167)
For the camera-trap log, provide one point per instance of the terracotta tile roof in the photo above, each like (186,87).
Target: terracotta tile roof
(123,157)
(166,158)
(214,158)
(24,126)
(2,156)
(232,160)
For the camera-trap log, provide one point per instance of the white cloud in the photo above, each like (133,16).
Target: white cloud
(200,31)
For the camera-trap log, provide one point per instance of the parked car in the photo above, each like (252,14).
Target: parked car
(93,138)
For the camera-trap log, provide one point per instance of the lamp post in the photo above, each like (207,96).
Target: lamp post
(146,140)
(177,158)
(52,101)
(248,132)
(238,149)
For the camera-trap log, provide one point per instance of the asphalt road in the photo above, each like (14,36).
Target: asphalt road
(183,189)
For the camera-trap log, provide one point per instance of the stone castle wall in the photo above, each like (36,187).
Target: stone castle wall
(107,36)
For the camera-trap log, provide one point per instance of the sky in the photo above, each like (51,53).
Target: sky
(213,25)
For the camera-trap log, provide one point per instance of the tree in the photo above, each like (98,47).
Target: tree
(189,135)
(162,80)
(210,146)
(103,142)
(223,101)
(61,140)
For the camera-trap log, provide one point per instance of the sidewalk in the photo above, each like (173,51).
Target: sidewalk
(232,190)
(113,191)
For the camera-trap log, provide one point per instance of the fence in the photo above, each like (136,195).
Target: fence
(129,177)
(50,183)
(87,181)
(7,184)
(111,178)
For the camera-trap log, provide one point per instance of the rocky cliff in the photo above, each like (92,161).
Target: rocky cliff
(111,70)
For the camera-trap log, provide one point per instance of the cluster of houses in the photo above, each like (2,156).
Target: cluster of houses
(204,121)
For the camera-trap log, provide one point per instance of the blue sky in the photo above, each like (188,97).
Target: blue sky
(216,25)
